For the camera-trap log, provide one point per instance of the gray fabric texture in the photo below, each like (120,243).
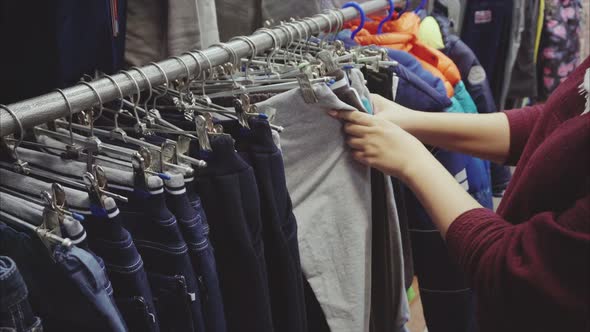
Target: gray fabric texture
(33,187)
(388,312)
(239,17)
(159,29)
(331,196)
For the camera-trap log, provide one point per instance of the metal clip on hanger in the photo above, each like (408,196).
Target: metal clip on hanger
(19,165)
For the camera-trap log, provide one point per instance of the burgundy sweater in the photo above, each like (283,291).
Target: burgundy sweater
(530,263)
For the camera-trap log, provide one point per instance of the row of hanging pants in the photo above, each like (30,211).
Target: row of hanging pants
(214,252)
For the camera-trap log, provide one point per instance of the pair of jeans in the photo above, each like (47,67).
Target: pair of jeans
(16,314)
(200,252)
(279,227)
(229,193)
(69,288)
(112,242)
(165,255)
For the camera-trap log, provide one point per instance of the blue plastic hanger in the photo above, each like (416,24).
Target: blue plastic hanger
(420,6)
(361,12)
(387,18)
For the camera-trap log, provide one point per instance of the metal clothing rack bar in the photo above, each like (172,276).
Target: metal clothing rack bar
(50,106)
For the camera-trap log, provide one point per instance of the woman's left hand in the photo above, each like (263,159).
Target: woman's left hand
(381,144)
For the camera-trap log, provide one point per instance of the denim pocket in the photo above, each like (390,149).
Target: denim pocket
(137,315)
(172,301)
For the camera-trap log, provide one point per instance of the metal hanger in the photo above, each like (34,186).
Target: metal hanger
(47,235)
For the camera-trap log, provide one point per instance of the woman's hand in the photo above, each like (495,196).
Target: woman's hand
(382,144)
(392,111)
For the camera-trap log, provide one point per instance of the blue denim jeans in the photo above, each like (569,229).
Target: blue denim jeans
(228,189)
(16,314)
(279,228)
(133,295)
(200,252)
(157,236)
(69,288)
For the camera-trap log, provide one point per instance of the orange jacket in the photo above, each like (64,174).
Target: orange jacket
(409,23)
(406,39)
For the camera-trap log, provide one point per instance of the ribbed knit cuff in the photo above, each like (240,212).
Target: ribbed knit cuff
(460,234)
(521,122)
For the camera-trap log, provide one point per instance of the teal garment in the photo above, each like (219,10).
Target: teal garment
(464,98)
(367,104)
(478,170)
(455,107)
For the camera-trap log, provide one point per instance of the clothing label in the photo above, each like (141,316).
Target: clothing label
(394,84)
(483,16)
(193,297)
(476,75)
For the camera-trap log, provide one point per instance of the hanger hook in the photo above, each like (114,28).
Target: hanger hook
(198,70)
(299,36)
(325,17)
(165,84)
(210,65)
(361,13)
(309,32)
(135,100)
(275,44)
(297,25)
(145,107)
(339,16)
(71,117)
(108,77)
(289,41)
(21,130)
(188,74)
(101,107)
(253,51)
(387,18)
(232,54)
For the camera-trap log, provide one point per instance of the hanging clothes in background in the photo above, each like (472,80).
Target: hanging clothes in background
(559,52)
(449,304)
(75,38)
(238,17)
(522,82)
(160,29)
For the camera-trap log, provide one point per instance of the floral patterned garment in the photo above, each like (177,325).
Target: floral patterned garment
(559,52)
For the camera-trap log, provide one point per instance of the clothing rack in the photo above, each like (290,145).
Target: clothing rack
(50,106)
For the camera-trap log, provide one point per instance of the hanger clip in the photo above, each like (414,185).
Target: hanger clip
(168,154)
(52,217)
(139,167)
(307,91)
(19,166)
(203,132)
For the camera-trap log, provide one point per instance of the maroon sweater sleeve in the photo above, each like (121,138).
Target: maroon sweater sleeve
(522,122)
(513,266)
